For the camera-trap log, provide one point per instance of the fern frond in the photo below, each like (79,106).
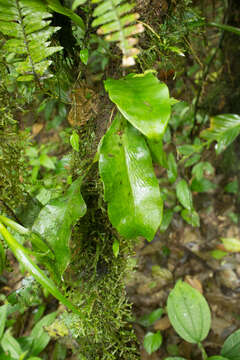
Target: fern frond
(25,23)
(115,18)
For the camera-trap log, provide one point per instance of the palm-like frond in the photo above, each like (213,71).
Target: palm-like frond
(25,25)
(118,24)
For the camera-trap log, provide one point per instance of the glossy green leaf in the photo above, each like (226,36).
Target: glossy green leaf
(224,129)
(74,141)
(158,154)
(3,317)
(115,248)
(188,313)
(152,342)
(191,217)
(218,254)
(55,221)
(56,6)
(231,346)
(149,319)
(46,161)
(184,194)
(21,254)
(10,345)
(84,56)
(172,168)
(143,101)
(39,335)
(130,185)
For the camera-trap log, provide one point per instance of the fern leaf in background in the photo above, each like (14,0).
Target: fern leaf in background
(25,26)
(118,24)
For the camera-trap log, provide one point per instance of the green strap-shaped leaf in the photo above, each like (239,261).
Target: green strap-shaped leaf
(143,101)
(55,221)
(130,185)
(231,347)
(224,129)
(21,254)
(188,313)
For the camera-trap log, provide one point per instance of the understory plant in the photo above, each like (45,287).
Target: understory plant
(77,244)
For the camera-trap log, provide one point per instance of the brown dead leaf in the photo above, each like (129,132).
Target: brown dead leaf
(36,128)
(162,324)
(84,105)
(194,282)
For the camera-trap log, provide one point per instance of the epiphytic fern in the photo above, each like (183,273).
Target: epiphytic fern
(118,24)
(25,26)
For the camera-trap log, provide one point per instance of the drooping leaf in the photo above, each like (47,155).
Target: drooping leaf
(22,256)
(3,317)
(56,6)
(130,185)
(152,342)
(231,346)
(40,337)
(55,221)
(26,25)
(77,3)
(143,101)
(188,313)
(224,129)
(184,194)
(118,24)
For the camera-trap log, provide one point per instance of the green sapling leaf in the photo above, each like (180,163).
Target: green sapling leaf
(231,346)
(152,342)
(189,313)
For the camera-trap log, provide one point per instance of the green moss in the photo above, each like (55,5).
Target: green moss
(97,287)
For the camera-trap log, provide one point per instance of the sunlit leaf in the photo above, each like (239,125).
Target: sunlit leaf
(115,248)
(224,129)
(231,244)
(130,185)
(144,101)
(188,313)
(21,254)
(55,221)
